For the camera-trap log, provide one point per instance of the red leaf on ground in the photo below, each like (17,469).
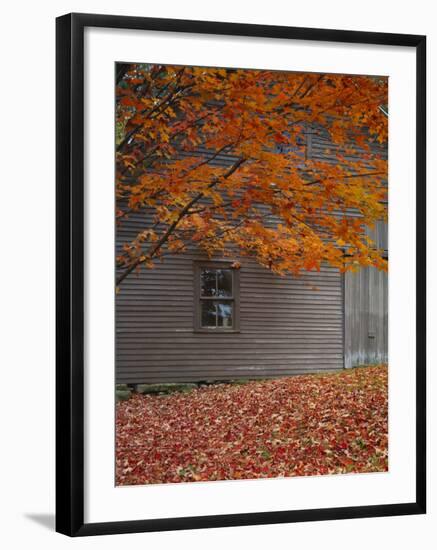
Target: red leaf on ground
(295,426)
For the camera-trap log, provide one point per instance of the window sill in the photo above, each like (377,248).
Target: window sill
(214,331)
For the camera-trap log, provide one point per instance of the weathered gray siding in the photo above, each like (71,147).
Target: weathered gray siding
(287,326)
(366,310)
(366,315)
(366,291)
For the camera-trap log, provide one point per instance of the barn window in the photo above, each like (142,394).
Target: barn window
(217,293)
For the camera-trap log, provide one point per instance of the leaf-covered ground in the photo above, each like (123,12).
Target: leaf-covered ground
(296,426)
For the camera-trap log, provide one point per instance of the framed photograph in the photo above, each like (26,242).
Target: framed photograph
(240,274)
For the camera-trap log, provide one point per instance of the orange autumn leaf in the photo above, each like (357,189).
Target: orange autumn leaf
(218,158)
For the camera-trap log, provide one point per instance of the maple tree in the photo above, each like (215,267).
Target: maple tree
(269,202)
(294,426)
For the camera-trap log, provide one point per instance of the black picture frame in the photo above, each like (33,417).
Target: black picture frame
(70,273)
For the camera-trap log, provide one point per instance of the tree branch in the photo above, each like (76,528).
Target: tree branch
(346,177)
(154,249)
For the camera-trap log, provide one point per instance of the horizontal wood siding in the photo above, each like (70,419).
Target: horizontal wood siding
(287,325)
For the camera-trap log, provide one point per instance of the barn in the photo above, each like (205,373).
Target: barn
(192,318)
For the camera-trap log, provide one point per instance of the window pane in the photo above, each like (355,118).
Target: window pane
(224,314)
(208,283)
(224,282)
(208,313)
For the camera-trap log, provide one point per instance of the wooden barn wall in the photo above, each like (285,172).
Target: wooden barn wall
(288,325)
(366,310)
(365,291)
(366,316)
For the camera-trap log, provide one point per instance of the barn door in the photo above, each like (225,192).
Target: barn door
(365,318)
